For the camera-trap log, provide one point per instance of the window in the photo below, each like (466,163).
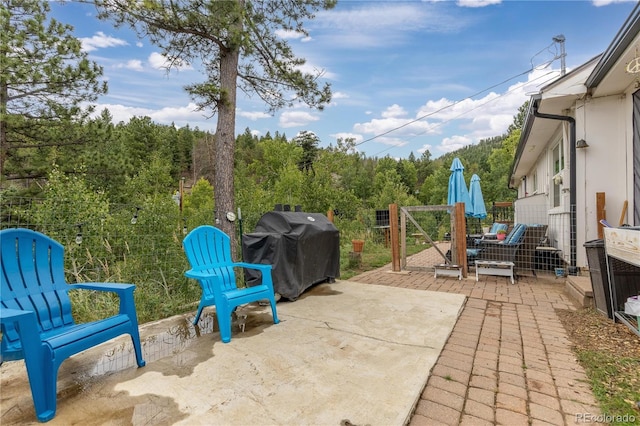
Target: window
(558,167)
(534,184)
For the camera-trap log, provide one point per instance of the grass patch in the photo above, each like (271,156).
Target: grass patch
(610,354)
(611,380)
(375,255)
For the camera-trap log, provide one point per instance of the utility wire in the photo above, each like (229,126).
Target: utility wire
(465,112)
(544,65)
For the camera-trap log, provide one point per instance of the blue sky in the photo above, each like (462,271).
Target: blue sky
(406,75)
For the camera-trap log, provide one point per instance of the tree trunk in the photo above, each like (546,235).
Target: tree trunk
(3,124)
(225,143)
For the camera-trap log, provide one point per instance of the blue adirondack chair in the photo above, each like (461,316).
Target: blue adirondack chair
(35,313)
(208,250)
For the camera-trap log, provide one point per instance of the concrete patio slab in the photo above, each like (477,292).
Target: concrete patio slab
(343,353)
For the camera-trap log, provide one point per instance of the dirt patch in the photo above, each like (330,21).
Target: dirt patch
(610,354)
(590,330)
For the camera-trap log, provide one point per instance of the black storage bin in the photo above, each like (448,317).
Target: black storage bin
(303,248)
(597,260)
(625,282)
(612,283)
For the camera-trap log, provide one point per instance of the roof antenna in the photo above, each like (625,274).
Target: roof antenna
(560,40)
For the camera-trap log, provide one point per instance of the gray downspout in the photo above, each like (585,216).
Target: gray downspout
(573,269)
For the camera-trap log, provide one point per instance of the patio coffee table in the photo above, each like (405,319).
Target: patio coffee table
(491,267)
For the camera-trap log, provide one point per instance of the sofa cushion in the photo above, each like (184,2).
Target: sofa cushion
(516,234)
(496,227)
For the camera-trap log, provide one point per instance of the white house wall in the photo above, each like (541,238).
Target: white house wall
(604,166)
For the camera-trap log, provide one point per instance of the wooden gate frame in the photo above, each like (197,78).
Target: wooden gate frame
(458,234)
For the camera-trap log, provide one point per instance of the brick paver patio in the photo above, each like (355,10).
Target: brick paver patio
(508,359)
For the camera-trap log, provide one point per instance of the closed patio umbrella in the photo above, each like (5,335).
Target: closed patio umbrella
(458,192)
(479,210)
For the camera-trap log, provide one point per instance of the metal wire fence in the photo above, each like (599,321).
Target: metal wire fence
(142,243)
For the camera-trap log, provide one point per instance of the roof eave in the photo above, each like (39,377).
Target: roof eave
(618,46)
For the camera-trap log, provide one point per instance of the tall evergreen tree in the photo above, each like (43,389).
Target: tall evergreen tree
(308,141)
(44,79)
(238,45)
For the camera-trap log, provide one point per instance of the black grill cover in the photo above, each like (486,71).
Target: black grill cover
(304,249)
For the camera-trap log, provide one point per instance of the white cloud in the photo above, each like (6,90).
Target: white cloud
(133,64)
(309,68)
(391,141)
(100,40)
(490,115)
(160,62)
(466,121)
(180,116)
(454,143)
(296,118)
(477,3)
(424,148)
(397,123)
(361,27)
(253,115)
(599,3)
(393,111)
(346,135)
(290,35)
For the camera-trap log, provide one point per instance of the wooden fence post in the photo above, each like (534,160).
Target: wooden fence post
(330,215)
(395,238)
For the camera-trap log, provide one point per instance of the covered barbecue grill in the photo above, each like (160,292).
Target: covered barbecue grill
(304,249)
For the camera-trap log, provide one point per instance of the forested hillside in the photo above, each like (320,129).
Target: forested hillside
(142,160)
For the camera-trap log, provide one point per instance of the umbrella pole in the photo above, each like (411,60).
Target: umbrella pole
(460,237)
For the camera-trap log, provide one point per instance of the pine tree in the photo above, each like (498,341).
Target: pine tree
(44,79)
(237,45)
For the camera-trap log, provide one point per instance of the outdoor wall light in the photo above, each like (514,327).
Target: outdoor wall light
(581,144)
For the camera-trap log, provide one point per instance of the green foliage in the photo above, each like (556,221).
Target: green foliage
(500,161)
(198,206)
(308,141)
(408,174)
(45,79)
(68,206)
(154,177)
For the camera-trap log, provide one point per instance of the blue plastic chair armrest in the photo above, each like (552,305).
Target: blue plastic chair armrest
(257,266)
(124,292)
(199,275)
(17,316)
(113,287)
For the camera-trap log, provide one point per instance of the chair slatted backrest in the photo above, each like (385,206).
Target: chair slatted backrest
(33,279)
(209,249)
(515,236)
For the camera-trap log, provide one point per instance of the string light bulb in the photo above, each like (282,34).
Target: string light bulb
(79,234)
(134,219)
